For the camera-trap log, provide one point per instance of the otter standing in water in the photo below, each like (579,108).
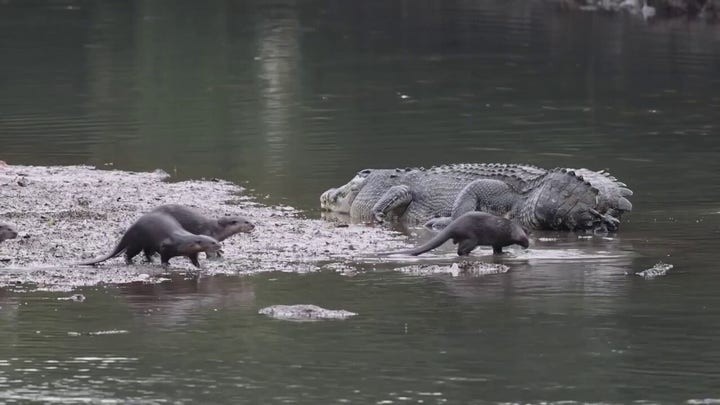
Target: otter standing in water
(475,229)
(158,232)
(7,232)
(195,222)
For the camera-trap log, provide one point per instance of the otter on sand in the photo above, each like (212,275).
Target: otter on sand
(195,222)
(7,232)
(474,229)
(158,232)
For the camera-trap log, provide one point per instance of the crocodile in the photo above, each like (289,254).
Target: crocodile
(557,199)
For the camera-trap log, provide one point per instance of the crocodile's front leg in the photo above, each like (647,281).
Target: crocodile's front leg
(396,199)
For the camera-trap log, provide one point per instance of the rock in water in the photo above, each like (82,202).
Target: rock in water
(304,312)
(463,268)
(658,270)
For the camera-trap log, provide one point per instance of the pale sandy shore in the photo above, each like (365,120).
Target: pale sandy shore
(70,213)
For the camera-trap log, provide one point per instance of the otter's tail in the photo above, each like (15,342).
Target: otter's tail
(121,246)
(436,241)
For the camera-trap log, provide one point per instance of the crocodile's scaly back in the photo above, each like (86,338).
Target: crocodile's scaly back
(541,199)
(515,175)
(434,189)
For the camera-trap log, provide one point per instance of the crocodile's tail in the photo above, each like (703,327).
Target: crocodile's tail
(565,200)
(612,193)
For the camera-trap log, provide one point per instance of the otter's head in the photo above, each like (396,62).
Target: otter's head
(196,244)
(7,232)
(519,235)
(341,199)
(231,225)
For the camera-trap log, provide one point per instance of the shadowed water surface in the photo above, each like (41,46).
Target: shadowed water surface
(292,98)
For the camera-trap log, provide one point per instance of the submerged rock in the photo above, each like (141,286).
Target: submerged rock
(304,312)
(706,9)
(658,270)
(74,297)
(464,268)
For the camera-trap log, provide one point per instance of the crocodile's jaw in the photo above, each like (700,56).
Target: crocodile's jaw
(340,199)
(336,201)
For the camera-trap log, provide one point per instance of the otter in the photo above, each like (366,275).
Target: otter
(473,229)
(161,233)
(7,232)
(195,222)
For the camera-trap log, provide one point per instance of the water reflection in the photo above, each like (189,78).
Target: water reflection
(295,97)
(182,299)
(278,55)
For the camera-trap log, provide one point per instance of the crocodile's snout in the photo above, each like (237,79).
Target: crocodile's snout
(337,200)
(328,197)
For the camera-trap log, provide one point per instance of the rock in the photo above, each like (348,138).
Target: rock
(304,312)
(74,297)
(464,268)
(647,9)
(658,270)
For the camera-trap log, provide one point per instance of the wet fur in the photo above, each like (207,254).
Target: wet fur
(195,222)
(475,229)
(161,233)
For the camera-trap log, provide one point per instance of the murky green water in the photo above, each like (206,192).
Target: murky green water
(292,98)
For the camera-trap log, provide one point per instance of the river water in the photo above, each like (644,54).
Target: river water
(290,98)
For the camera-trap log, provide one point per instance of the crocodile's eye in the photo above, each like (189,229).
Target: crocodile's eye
(364,172)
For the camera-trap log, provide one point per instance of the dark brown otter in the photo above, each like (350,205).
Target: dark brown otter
(161,233)
(475,229)
(195,222)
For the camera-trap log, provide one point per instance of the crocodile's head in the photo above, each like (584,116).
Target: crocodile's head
(341,199)
(360,194)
